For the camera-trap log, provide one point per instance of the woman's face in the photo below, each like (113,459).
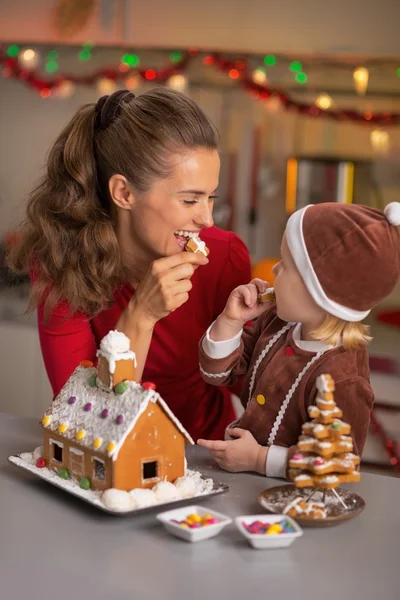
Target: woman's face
(160,220)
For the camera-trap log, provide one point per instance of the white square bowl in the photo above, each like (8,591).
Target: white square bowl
(264,541)
(193,535)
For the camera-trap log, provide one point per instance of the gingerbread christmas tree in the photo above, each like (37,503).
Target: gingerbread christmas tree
(324,458)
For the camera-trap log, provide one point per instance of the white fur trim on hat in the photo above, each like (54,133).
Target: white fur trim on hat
(392,213)
(298,249)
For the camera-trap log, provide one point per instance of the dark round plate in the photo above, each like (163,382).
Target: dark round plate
(275,499)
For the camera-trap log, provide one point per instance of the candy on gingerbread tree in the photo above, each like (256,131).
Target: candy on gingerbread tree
(324,458)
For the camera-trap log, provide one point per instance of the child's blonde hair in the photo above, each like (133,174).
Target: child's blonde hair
(352,334)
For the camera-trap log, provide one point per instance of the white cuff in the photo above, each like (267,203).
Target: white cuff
(276,463)
(220,349)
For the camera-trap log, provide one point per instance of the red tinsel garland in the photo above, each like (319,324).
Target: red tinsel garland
(391,447)
(237,70)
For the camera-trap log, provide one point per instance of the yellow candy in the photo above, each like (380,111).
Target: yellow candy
(80,435)
(193,518)
(46,420)
(62,427)
(110,447)
(184,524)
(274,529)
(97,443)
(206,518)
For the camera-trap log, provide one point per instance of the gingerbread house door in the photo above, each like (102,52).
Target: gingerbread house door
(76,460)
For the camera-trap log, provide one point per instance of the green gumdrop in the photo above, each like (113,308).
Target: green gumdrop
(92,380)
(121,388)
(335,425)
(84,483)
(63,473)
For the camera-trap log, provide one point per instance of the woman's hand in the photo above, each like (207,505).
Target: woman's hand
(166,286)
(242,454)
(242,306)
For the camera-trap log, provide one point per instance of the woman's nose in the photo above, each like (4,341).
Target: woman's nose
(204,217)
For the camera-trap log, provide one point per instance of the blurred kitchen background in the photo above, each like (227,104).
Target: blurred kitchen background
(306,97)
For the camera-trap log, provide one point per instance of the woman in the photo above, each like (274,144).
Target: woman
(127,182)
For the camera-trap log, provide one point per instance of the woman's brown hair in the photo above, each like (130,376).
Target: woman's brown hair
(68,238)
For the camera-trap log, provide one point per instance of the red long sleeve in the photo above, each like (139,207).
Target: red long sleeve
(172,361)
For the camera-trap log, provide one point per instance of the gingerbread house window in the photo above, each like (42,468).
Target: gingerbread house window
(149,470)
(57,451)
(99,471)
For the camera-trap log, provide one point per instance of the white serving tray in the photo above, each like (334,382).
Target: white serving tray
(93,497)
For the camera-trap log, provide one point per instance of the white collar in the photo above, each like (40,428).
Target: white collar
(313,346)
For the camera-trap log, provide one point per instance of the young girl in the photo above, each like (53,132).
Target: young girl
(338,262)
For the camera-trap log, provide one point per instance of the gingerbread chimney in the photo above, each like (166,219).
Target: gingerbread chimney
(117,362)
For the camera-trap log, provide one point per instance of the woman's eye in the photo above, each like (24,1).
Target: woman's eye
(190,202)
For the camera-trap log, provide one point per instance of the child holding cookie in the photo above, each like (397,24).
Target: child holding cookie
(338,261)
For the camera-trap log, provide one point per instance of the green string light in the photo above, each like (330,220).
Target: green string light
(52,55)
(301,78)
(13,50)
(270,60)
(296,66)
(132,60)
(176,56)
(85,54)
(51,66)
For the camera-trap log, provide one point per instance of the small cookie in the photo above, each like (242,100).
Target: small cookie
(325,383)
(302,479)
(318,465)
(325,416)
(327,447)
(195,245)
(267,296)
(334,430)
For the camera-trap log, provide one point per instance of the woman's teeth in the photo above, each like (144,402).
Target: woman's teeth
(186,234)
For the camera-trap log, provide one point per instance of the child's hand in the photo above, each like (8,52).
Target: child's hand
(243,305)
(242,454)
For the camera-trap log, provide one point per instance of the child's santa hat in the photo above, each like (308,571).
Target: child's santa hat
(355,245)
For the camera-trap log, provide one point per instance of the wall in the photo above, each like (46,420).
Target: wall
(368,27)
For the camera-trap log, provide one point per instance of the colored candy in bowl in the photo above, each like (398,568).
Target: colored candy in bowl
(193,523)
(268,531)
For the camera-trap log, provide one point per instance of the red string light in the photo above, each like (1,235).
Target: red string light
(236,70)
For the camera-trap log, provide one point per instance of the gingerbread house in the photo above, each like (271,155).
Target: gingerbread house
(105,431)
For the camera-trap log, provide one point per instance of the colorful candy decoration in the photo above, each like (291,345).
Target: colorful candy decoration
(41,462)
(120,419)
(86,363)
(195,521)
(63,473)
(260,527)
(84,483)
(121,388)
(110,447)
(62,428)
(97,442)
(72,400)
(80,435)
(46,420)
(92,380)
(104,413)
(149,385)
(87,407)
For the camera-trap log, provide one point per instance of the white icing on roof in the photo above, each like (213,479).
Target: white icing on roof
(129,405)
(115,341)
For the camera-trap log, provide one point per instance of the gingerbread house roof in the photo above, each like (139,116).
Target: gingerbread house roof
(100,420)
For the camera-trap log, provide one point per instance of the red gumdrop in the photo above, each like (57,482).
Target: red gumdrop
(41,462)
(148,385)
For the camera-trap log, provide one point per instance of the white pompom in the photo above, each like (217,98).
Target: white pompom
(392,213)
